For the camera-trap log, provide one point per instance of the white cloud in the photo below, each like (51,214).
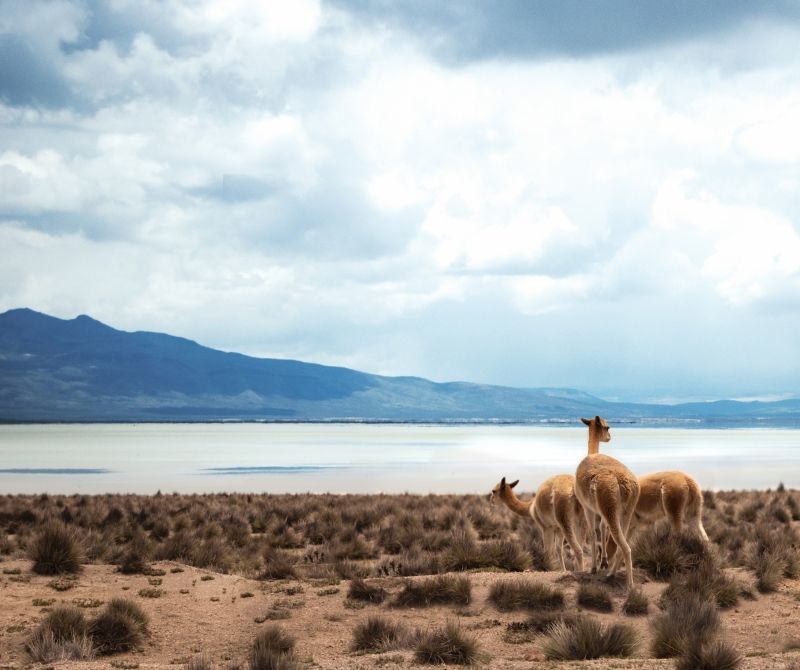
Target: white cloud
(280,178)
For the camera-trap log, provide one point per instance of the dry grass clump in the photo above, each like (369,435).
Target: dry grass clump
(687,623)
(774,556)
(707,582)
(277,565)
(121,626)
(636,604)
(378,634)
(55,550)
(521,593)
(465,553)
(594,597)
(663,553)
(716,655)
(586,638)
(201,662)
(62,636)
(360,590)
(273,649)
(446,645)
(439,590)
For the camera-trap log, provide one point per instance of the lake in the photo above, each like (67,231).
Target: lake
(368,458)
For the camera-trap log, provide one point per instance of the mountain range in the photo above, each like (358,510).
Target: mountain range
(80,369)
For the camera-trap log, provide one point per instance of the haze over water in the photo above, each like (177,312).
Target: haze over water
(367,458)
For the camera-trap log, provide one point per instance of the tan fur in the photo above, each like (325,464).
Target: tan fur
(608,489)
(673,495)
(556,511)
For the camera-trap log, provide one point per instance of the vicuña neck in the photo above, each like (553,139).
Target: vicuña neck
(516,505)
(594,446)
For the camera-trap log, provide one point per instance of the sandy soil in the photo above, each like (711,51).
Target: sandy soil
(196,615)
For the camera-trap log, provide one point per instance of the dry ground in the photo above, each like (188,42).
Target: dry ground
(196,615)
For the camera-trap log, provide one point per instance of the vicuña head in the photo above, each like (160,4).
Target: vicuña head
(598,431)
(502,491)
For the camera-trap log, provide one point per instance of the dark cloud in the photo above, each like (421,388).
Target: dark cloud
(474,30)
(27,78)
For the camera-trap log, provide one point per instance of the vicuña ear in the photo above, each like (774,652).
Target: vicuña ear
(513,484)
(588,422)
(503,483)
(597,420)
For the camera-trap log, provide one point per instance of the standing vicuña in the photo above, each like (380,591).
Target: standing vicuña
(556,511)
(605,487)
(673,495)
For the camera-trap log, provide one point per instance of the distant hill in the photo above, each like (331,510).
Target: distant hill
(82,370)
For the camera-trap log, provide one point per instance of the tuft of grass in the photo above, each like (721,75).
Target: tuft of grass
(716,655)
(277,565)
(360,590)
(43,647)
(587,638)
(595,597)
(707,582)
(201,662)
(465,553)
(378,634)
(525,594)
(61,636)
(686,623)
(441,589)
(636,604)
(151,593)
(121,626)
(273,649)
(447,645)
(55,550)
(663,553)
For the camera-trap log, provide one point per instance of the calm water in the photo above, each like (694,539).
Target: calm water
(358,458)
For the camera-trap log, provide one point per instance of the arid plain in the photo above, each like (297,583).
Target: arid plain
(381,581)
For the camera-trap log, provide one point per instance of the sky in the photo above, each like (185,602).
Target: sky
(600,195)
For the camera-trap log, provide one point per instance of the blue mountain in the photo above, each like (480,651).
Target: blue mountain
(83,370)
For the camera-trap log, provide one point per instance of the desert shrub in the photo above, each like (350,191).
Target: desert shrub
(595,597)
(201,662)
(212,553)
(662,553)
(177,547)
(447,645)
(62,636)
(350,569)
(121,626)
(716,655)
(277,565)
(409,564)
(273,638)
(531,540)
(636,604)
(272,650)
(131,609)
(43,647)
(437,590)
(774,556)
(136,554)
(707,582)
(55,550)
(65,622)
(521,593)
(378,634)
(360,590)
(465,553)
(687,622)
(587,638)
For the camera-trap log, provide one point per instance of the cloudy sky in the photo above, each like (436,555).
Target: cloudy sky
(600,195)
